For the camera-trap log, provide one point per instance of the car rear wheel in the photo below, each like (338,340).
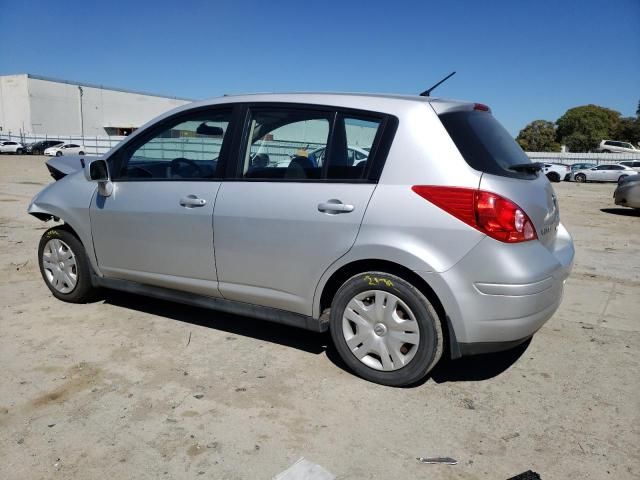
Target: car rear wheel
(64,266)
(385,329)
(581,178)
(80,152)
(553,177)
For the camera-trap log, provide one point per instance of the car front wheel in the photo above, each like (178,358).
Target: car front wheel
(58,154)
(581,178)
(64,266)
(385,329)
(621,178)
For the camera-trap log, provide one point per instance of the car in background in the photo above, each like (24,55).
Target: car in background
(9,146)
(628,192)
(556,172)
(354,155)
(65,149)
(604,173)
(38,148)
(635,164)
(575,167)
(613,146)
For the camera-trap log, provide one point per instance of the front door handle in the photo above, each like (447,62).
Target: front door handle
(191,201)
(335,206)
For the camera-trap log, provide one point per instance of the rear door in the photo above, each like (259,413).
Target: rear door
(289,215)
(489,148)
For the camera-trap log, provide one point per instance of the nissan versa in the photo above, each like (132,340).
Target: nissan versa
(441,237)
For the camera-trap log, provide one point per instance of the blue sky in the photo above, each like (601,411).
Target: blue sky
(526,59)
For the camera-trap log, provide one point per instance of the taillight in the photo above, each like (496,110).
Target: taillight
(481,107)
(488,212)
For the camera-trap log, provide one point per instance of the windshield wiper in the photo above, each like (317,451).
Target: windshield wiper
(527,167)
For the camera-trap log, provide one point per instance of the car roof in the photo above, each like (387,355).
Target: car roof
(374,101)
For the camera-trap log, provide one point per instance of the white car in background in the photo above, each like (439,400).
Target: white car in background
(8,146)
(65,149)
(635,164)
(604,173)
(613,146)
(556,172)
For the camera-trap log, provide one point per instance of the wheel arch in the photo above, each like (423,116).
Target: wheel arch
(48,213)
(344,272)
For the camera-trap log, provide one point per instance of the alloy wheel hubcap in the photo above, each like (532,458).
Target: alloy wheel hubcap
(380,330)
(59,264)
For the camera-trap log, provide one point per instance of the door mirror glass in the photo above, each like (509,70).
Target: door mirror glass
(98,171)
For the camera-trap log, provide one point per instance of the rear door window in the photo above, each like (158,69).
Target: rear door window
(485,144)
(286,144)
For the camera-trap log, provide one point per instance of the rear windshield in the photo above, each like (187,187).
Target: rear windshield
(485,144)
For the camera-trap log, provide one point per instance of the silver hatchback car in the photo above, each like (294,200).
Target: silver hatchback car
(444,239)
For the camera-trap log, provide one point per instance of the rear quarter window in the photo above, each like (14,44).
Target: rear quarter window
(485,144)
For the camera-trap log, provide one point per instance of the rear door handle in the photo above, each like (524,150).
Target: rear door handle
(191,201)
(335,206)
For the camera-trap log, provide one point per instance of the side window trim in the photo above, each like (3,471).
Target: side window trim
(117,160)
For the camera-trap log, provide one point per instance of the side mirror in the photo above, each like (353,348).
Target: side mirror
(98,171)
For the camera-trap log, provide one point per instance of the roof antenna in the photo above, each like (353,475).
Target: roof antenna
(427,93)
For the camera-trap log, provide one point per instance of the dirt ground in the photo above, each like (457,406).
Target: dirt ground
(135,388)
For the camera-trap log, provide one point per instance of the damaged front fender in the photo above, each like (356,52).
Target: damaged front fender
(68,200)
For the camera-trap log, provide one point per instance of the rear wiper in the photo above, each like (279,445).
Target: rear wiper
(527,167)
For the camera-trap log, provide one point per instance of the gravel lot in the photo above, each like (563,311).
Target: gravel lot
(135,388)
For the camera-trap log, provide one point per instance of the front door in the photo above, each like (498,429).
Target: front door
(157,225)
(291,213)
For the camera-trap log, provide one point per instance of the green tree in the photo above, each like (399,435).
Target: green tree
(582,128)
(538,136)
(628,130)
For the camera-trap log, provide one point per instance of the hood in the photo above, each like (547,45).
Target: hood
(62,166)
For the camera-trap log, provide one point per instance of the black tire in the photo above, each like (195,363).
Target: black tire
(35,151)
(553,177)
(80,153)
(83,291)
(621,177)
(606,151)
(580,178)
(58,153)
(19,151)
(429,349)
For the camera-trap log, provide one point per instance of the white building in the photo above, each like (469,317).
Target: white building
(34,105)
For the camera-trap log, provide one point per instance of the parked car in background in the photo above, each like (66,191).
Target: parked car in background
(9,146)
(604,173)
(628,192)
(556,172)
(635,164)
(613,146)
(65,149)
(578,166)
(445,232)
(38,148)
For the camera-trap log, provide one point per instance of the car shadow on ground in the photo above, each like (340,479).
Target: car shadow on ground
(297,338)
(476,368)
(627,212)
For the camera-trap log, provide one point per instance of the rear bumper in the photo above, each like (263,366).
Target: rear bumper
(503,293)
